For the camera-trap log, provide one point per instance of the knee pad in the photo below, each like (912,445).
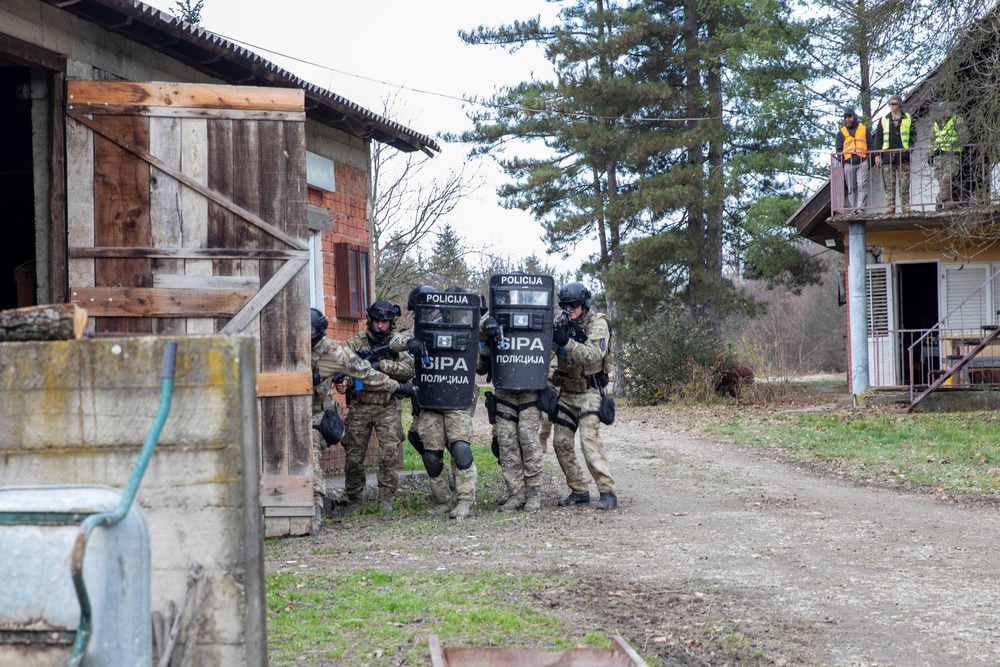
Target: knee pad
(495,447)
(415,441)
(433,462)
(461,451)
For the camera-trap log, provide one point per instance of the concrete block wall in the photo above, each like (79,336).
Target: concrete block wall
(78,412)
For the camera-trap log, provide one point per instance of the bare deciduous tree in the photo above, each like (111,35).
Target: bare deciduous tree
(408,207)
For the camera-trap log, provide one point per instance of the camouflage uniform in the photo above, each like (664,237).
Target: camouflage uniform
(378,411)
(323,400)
(328,359)
(439,430)
(581,399)
(516,428)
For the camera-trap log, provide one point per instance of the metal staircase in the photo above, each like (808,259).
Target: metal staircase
(956,368)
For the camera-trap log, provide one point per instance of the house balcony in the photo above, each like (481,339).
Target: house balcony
(975,188)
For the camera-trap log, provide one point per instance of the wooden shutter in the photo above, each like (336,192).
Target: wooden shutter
(187,215)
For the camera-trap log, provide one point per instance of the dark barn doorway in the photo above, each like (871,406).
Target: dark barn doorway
(18,281)
(917,287)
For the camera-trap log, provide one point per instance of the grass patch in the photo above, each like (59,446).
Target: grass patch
(954,452)
(372,617)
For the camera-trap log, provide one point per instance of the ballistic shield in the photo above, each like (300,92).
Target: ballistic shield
(448,324)
(522,305)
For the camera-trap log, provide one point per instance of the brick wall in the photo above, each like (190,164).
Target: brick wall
(348,208)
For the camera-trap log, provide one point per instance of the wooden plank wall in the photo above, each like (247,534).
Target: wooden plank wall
(188,256)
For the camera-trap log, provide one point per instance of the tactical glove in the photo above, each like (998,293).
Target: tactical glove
(491,327)
(407,390)
(416,348)
(374,365)
(560,335)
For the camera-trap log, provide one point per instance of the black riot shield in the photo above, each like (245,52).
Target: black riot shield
(522,305)
(448,324)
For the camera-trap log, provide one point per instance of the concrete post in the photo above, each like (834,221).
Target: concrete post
(857,300)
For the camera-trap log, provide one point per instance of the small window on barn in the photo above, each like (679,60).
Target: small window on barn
(320,173)
(353,287)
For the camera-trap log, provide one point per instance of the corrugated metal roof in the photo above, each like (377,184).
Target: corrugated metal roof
(221,58)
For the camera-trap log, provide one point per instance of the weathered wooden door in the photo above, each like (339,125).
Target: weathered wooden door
(187,215)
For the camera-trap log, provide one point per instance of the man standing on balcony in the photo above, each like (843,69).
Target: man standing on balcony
(895,133)
(852,150)
(947,142)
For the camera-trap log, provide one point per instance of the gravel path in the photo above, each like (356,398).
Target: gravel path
(712,540)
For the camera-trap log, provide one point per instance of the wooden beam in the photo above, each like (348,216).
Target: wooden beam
(191,183)
(153,302)
(181,281)
(286,491)
(88,93)
(293,383)
(188,112)
(188,253)
(264,296)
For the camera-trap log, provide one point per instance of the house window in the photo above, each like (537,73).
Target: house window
(353,286)
(320,173)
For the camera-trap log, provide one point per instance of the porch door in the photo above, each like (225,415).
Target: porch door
(883,362)
(187,215)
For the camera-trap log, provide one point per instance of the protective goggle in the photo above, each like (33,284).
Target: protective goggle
(570,305)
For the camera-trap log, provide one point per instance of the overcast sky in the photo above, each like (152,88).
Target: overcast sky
(371,50)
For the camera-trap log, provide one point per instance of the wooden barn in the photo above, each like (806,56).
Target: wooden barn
(174,183)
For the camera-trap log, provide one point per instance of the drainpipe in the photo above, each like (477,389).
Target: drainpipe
(856,291)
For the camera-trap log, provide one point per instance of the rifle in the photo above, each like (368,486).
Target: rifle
(576,331)
(374,354)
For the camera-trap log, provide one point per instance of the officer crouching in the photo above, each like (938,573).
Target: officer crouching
(582,340)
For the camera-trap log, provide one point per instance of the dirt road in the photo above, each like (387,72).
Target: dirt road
(722,556)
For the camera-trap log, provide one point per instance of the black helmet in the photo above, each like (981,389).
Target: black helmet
(411,300)
(319,324)
(385,312)
(574,292)
(455,289)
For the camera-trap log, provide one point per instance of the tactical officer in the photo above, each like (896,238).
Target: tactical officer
(581,339)
(518,343)
(376,410)
(445,419)
(328,359)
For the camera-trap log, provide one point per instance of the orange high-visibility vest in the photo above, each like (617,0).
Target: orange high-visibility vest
(856,145)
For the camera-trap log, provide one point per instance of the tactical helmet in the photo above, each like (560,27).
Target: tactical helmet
(411,300)
(573,292)
(385,312)
(319,324)
(455,289)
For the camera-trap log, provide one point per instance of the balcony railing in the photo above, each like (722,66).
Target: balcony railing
(976,182)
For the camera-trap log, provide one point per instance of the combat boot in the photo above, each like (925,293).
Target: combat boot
(440,496)
(515,502)
(574,498)
(608,501)
(533,499)
(463,510)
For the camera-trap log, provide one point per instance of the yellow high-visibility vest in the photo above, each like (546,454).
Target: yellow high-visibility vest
(904,131)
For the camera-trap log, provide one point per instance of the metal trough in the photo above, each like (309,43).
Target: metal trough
(619,655)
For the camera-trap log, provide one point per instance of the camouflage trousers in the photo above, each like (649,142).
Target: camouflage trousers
(889,173)
(517,435)
(590,441)
(319,445)
(387,423)
(438,430)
